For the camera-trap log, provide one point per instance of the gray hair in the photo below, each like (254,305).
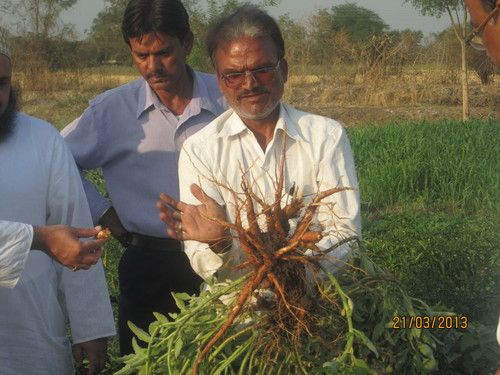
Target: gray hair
(246,21)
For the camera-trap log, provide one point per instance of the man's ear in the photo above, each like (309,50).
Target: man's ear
(187,43)
(284,69)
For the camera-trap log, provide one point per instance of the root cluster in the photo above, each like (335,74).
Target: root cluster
(276,260)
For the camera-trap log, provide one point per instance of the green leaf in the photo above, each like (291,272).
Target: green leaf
(378,331)
(161,318)
(141,334)
(366,341)
(362,368)
(180,299)
(136,347)
(178,347)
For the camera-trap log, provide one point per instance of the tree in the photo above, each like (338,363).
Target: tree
(295,37)
(359,23)
(458,15)
(39,17)
(105,33)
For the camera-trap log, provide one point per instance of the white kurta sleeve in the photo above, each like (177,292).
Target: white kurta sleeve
(84,294)
(339,214)
(15,243)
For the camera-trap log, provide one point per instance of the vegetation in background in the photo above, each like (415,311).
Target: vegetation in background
(450,165)
(457,12)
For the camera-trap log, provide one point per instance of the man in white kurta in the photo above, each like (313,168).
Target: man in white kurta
(40,185)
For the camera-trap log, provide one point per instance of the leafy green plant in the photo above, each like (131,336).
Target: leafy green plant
(351,334)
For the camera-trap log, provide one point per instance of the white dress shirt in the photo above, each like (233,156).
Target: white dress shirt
(41,186)
(318,157)
(15,243)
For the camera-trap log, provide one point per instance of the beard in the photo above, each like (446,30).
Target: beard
(8,117)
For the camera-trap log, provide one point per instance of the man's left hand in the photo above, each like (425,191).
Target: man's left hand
(96,353)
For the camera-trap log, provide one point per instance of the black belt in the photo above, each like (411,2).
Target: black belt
(154,243)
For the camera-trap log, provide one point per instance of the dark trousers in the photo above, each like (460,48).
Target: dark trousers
(147,278)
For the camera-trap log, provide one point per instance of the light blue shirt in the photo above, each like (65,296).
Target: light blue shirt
(136,141)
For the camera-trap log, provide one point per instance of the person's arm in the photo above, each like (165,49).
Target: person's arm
(15,242)
(61,242)
(64,244)
(95,351)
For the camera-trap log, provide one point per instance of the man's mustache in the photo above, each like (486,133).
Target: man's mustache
(159,74)
(255,91)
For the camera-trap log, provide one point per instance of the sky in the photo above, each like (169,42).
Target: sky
(397,14)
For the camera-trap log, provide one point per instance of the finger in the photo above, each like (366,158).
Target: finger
(93,365)
(171,202)
(89,260)
(84,232)
(199,194)
(176,235)
(177,215)
(166,215)
(92,246)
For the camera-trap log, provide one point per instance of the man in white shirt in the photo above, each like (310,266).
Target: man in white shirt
(248,53)
(41,187)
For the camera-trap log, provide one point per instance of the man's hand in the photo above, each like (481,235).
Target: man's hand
(111,220)
(194,222)
(62,242)
(94,351)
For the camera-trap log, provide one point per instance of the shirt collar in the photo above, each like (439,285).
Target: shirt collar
(200,100)
(201,97)
(147,99)
(237,126)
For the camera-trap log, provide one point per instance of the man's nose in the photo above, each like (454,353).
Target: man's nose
(250,80)
(154,63)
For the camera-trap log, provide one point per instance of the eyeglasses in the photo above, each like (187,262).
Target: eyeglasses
(478,30)
(262,75)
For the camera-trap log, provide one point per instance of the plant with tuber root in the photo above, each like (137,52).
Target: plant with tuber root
(309,324)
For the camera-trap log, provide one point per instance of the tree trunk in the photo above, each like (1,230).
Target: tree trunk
(464,75)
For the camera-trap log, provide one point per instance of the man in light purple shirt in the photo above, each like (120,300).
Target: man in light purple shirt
(134,133)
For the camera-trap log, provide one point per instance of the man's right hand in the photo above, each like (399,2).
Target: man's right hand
(62,242)
(111,221)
